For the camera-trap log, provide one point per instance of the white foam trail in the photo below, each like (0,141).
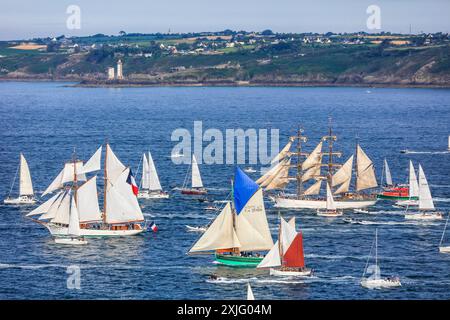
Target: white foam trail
(426,152)
(441,199)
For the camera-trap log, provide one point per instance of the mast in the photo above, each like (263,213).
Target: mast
(75,181)
(105,182)
(233,213)
(355,163)
(331,138)
(300,138)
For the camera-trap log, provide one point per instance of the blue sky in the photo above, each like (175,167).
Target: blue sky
(22,19)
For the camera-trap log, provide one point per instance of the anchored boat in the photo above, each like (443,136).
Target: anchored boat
(196,181)
(309,170)
(150,186)
(121,214)
(26,194)
(427,210)
(240,230)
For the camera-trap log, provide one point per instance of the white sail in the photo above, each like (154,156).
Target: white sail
(25,186)
(74,220)
(344,174)
(314,158)
(343,187)
(94,163)
(250,295)
(121,203)
(87,201)
(313,189)
(145,181)
(55,185)
(154,185)
(219,235)
(262,181)
(114,168)
(330,201)
(64,176)
(196,178)
(44,207)
(282,177)
(425,199)
(51,212)
(413,185)
(252,227)
(284,152)
(311,173)
(387,173)
(63,211)
(365,177)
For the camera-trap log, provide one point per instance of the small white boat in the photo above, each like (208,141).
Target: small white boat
(73,232)
(26,194)
(375,281)
(196,181)
(71,241)
(426,206)
(353,221)
(212,208)
(442,248)
(361,210)
(330,210)
(150,185)
(249,170)
(291,273)
(407,203)
(196,229)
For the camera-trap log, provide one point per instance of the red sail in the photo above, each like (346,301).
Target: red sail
(294,255)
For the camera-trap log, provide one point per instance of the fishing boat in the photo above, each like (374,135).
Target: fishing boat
(375,281)
(73,231)
(309,170)
(196,181)
(150,187)
(241,231)
(442,248)
(286,258)
(26,194)
(330,210)
(250,295)
(121,216)
(402,192)
(427,210)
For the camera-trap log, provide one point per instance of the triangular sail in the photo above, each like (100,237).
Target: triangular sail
(87,201)
(294,256)
(51,212)
(63,211)
(343,176)
(330,201)
(413,185)
(66,175)
(26,186)
(282,178)
(196,178)
(284,152)
(154,184)
(387,174)
(74,220)
(314,158)
(264,180)
(43,208)
(94,163)
(114,167)
(365,177)
(425,199)
(250,295)
(145,181)
(313,189)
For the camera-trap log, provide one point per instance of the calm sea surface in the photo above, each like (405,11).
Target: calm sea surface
(46,121)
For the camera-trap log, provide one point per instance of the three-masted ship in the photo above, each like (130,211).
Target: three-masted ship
(121,215)
(310,176)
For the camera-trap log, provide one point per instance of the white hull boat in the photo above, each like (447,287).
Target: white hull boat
(381,283)
(196,229)
(150,184)
(152,195)
(62,231)
(321,204)
(26,193)
(329,213)
(22,200)
(288,273)
(407,203)
(424,216)
(445,249)
(360,211)
(71,241)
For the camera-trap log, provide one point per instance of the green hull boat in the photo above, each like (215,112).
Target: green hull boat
(381,196)
(238,261)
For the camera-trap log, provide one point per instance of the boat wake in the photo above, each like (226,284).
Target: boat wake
(229,280)
(441,199)
(425,152)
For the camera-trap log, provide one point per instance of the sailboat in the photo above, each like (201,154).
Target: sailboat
(196,181)
(330,210)
(250,295)
(73,231)
(121,216)
(442,248)
(150,185)
(309,170)
(241,228)
(286,257)
(26,194)
(375,281)
(406,194)
(426,206)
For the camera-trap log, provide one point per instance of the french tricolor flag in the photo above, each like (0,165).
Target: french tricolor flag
(153,227)
(132,183)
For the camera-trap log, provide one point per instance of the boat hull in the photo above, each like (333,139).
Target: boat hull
(20,201)
(196,229)
(444,249)
(194,191)
(384,197)
(424,216)
(407,203)
(380,283)
(70,241)
(61,231)
(153,195)
(285,273)
(329,214)
(238,261)
(321,204)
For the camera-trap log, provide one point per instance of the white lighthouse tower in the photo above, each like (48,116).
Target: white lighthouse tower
(119,70)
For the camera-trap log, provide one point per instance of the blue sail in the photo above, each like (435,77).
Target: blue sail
(243,189)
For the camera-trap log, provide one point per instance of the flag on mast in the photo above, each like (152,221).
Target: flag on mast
(132,182)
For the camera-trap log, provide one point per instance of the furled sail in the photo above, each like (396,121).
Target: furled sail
(74,220)
(282,178)
(154,185)
(413,185)
(314,158)
(44,207)
(425,199)
(284,152)
(122,204)
(365,177)
(313,189)
(219,235)
(26,186)
(343,176)
(330,201)
(387,173)
(87,201)
(145,181)
(196,178)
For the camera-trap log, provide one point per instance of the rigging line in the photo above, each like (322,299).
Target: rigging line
(14,181)
(186,176)
(137,171)
(368,258)
(443,233)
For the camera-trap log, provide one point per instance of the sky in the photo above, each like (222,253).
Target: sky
(25,19)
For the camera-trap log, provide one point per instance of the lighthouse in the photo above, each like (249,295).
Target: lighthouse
(119,70)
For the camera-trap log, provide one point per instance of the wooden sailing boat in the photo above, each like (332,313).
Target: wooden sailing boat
(442,248)
(150,185)
(121,214)
(309,169)
(239,230)
(26,194)
(375,281)
(330,210)
(286,257)
(250,295)
(406,194)
(196,181)
(427,210)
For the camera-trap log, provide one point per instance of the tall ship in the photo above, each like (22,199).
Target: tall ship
(121,214)
(241,231)
(310,176)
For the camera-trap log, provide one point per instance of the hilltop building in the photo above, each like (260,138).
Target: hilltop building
(119,70)
(111,73)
